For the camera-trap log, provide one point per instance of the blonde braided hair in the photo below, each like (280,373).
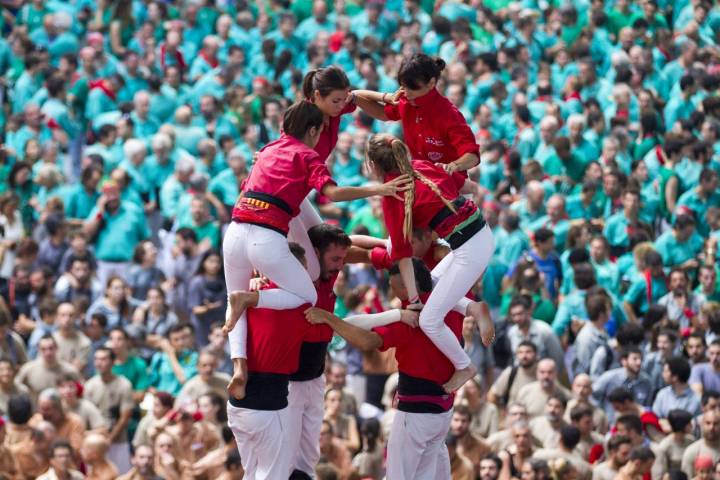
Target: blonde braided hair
(389,154)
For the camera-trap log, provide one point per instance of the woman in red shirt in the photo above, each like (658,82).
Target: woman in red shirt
(434,202)
(434,129)
(281,178)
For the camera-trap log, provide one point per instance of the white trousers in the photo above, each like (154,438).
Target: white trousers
(416,449)
(456,274)
(260,439)
(298,233)
(248,247)
(304,420)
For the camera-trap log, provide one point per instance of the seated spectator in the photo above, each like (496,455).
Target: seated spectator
(521,449)
(706,376)
(162,405)
(546,428)
(469,445)
(213,409)
(61,463)
(506,387)
(144,273)
(670,450)
(207,380)
(19,413)
(581,395)
(618,454)
(152,320)
(112,395)
(68,426)
(490,466)
(628,375)
(45,371)
(73,345)
(502,439)
(535,395)
(708,445)
(127,365)
(639,464)
(143,462)
(524,328)
(485,414)
(94,455)
(9,385)
(344,426)
(78,282)
(176,363)
(581,417)
(70,391)
(677,395)
(369,462)
(115,305)
(168,461)
(568,440)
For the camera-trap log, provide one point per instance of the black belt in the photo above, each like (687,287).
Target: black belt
(272,200)
(457,239)
(264,391)
(445,213)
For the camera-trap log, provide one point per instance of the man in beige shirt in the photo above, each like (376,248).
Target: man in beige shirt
(581,416)
(69,390)
(581,390)
(547,428)
(73,346)
(112,394)
(535,395)
(68,426)
(206,381)
(708,445)
(504,391)
(47,369)
(569,438)
(61,463)
(670,450)
(502,439)
(618,453)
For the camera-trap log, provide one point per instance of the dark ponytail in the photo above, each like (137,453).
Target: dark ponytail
(417,70)
(301,117)
(325,81)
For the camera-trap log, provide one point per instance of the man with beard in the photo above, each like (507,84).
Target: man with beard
(490,466)
(513,378)
(629,375)
(117,228)
(708,445)
(618,448)
(143,465)
(547,428)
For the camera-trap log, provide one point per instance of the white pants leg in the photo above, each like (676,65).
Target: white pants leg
(260,438)
(307,218)
(415,446)
(248,247)
(305,407)
(456,273)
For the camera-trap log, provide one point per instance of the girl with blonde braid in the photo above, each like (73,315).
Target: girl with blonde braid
(434,202)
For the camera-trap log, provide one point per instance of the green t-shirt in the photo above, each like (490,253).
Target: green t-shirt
(135,370)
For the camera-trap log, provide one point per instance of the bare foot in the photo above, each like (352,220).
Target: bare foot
(481,313)
(459,378)
(236,387)
(237,303)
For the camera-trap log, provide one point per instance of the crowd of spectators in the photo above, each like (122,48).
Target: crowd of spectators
(127,127)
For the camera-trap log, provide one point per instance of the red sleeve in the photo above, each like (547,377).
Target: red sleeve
(318,174)
(392,112)
(460,135)
(394,212)
(459,178)
(392,335)
(380,259)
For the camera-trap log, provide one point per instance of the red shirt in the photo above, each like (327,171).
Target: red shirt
(417,356)
(380,258)
(288,169)
(427,204)
(434,129)
(326,301)
(329,134)
(274,339)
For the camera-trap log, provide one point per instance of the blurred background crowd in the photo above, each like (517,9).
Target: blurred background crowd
(127,127)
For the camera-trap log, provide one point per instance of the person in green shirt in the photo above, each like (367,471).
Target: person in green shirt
(117,228)
(646,288)
(620,226)
(680,246)
(127,365)
(176,363)
(514,242)
(205,227)
(702,197)
(708,289)
(555,220)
